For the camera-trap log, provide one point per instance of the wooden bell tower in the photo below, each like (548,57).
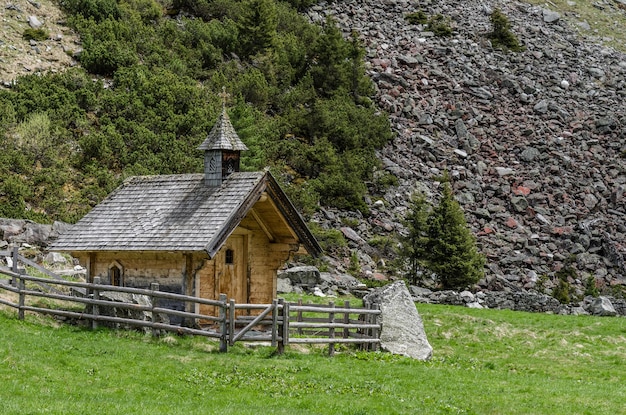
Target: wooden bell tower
(222,149)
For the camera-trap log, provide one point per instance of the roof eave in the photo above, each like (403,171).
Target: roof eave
(292,216)
(235,218)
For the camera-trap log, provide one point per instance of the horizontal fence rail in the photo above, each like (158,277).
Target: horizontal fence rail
(279,323)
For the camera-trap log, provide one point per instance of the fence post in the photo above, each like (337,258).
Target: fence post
(95,310)
(224,325)
(21,287)
(231,322)
(274,321)
(281,334)
(375,334)
(346,320)
(331,330)
(299,316)
(14,266)
(154,286)
(285,324)
(366,319)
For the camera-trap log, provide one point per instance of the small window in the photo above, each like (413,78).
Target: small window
(230,256)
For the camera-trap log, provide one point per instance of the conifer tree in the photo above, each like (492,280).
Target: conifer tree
(413,246)
(440,241)
(257,26)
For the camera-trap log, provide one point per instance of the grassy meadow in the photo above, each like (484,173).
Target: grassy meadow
(485,362)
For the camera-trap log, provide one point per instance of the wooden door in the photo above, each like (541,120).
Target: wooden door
(231,276)
(226,273)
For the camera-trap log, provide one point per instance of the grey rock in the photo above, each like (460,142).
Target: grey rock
(402,327)
(590,201)
(602,306)
(409,60)
(345,281)
(596,72)
(481,93)
(284,286)
(530,154)
(504,171)
(467,297)
(461,129)
(303,275)
(55,258)
(352,235)
(550,17)
(114,311)
(34,22)
(541,107)
(519,203)
(36,234)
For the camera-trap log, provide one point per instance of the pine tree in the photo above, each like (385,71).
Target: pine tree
(440,241)
(413,245)
(257,26)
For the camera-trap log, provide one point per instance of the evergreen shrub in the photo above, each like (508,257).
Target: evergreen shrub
(418,17)
(35,34)
(501,36)
(440,25)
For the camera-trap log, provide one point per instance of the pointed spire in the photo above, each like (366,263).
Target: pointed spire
(221,148)
(223,135)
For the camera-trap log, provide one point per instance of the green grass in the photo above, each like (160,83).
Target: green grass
(485,362)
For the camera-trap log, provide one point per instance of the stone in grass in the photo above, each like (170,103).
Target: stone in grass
(402,327)
(602,306)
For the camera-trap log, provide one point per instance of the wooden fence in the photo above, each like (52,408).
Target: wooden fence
(279,323)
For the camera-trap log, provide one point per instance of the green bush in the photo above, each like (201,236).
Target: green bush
(97,10)
(354,268)
(440,26)
(147,10)
(329,239)
(418,17)
(591,288)
(562,292)
(501,36)
(35,34)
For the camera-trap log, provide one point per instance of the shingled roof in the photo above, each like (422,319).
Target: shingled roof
(177,213)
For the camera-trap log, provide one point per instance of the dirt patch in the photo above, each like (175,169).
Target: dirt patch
(19,56)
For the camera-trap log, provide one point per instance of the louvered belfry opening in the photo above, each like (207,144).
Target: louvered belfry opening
(222,150)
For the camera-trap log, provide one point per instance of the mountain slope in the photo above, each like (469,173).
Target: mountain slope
(19,56)
(534,140)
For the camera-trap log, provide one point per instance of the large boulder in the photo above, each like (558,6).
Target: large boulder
(341,281)
(18,231)
(283,286)
(602,306)
(304,275)
(122,312)
(402,327)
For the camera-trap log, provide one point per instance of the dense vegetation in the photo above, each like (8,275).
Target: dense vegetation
(484,362)
(147,95)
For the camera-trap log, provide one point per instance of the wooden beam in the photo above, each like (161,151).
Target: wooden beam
(263,225)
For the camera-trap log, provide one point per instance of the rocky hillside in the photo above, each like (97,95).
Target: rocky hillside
(535,141)
(20,56)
